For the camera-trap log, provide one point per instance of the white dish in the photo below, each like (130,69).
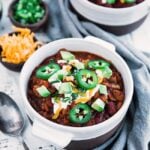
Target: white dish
(62,135)
(111,16)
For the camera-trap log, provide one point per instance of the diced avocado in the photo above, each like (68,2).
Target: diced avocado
(99,73)
(76,63)
(43,91)
(65,88)
(107,72)
(79,65)
(98,105)
(56,84)
(67,55)
(58,76)
(103,89)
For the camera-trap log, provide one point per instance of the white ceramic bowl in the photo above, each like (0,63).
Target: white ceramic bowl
(62,135)
(114,17)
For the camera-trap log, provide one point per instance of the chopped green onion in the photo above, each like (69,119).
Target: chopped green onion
(74,96)
(66,99)
(30,10)
(57,81)
(55,94)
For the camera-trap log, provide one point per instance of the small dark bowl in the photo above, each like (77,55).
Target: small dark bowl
(34,26)
(12,66)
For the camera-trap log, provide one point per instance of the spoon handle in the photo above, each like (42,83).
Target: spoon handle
(23,143)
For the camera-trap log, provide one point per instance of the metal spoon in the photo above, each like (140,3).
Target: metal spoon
(11,119)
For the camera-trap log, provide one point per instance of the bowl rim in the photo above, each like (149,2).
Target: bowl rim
(103,124)
(34,25)
(111,10)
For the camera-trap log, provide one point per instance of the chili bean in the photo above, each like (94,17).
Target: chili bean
(119,95)
(111,108)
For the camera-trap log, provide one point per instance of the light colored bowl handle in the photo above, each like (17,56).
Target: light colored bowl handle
(100,42)
(58,138)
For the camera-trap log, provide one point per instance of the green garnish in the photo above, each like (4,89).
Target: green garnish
(103,89)
(74,96)
(98,105)
(66,99)
(111,1)
(67,55)
(98,64)
(86,79)
(81,113)
(43,91)
(58,76)
(130,1)
(46,71)
(65,88)
(106,72)
(28,11)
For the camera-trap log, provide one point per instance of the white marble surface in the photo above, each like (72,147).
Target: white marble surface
(9,83)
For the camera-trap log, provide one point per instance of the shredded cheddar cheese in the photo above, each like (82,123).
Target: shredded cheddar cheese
(55,116)
(18,47)
(122,1)
(82,100)
(100,79)
(88,96)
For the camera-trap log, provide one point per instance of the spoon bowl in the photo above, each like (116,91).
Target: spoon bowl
(11,119)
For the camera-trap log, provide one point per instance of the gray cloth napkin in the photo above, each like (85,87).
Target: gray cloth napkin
(135,134)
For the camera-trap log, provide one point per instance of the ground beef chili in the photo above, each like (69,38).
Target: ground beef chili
(76,89)
(116,3)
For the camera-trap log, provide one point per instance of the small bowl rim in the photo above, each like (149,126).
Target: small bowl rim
(31,26)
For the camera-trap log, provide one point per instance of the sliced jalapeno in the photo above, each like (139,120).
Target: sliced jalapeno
(111,1)
(44,72)
(98,64)
(81,113)
(130,1)
(86,79)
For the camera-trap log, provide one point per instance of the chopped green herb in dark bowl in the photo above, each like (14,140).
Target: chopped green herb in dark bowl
(28,13)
